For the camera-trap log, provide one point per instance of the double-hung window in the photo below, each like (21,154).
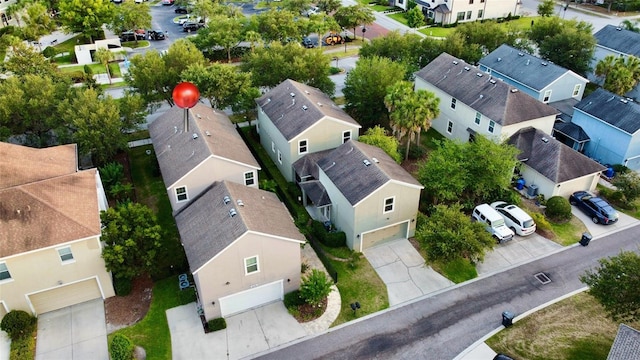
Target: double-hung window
(453,103)
(4,272)
(251,265)
(303,146)
(249,178)
(492,126)
(66,256)
(346,136)
(389,204)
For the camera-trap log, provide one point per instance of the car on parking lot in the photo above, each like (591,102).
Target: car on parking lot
(310,11)
(132,36)
(167,2)
(515,218)
(493,221)
(191,26)
(308,43)
(156,35)
(596,208)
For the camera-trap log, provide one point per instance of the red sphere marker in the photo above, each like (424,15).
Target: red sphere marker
(186,96)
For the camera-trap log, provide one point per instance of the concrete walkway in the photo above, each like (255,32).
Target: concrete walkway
(403,271)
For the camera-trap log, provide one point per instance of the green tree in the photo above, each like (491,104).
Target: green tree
(85,16)
(132,110)
(444,175)
(628,184)
(490,167)
(615,285)
(223,85)
(297,6)
(488,35)
(377,136)
(328,6)
(631,25)
(410,49)
(546,8)
(104,56)
(269,66)
(449,234)
(315,287)
(130,16)
(366,87)
(621,74)
(37,22)
(132,237)
(24,60)
(225,32)
(350,17)
(280,25)
(95,124)
(17,11)
(568,43)
(415,18)
(147,76)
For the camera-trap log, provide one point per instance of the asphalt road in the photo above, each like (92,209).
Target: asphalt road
(443,325)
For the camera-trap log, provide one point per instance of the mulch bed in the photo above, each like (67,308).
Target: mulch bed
(308,312)
(123,311)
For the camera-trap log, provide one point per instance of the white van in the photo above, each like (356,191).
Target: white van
(515,218)
(494,221)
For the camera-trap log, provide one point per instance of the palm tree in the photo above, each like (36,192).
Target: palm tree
(16,10)
(428,108)
(630,25)
(396,93)
(604,66)
(104,55)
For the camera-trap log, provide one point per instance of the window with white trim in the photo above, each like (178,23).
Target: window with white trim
(4,272)
(273,146)
(492,126)
(303,146)
(547,96)
(249,178)
(480,13)
(449,127)
(453,103)
(460,16)
(576,89)
(279,157)
(468,14)
(346,136)
(251,265)
(66,255)
(478,118)
(181,194)
(389,204)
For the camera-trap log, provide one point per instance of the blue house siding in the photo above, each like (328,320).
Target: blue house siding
(608,145)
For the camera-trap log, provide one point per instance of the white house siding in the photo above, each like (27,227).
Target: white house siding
(491,9)
(342,212)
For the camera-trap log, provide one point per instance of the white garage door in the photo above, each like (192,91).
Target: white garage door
(377,237)
(251,298)
(65,295)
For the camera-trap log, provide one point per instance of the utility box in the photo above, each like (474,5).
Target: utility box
(507,319)
(585,239)
(532,191)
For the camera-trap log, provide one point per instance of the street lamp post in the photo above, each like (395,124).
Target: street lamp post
(364,30)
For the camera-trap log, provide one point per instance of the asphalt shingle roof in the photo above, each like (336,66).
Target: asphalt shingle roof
(491,97)
(621,40)
(293,114)
(206,227)
(524,68)
(44,200)
(626,345)
(346,168)
(551,158)
(613,109)
(571,130)
(178,152)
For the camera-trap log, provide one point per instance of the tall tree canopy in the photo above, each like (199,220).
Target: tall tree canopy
(621,74)
(377,136)
(130,16)
(85,16)
(350,17)
(366,87)
(410,49)
(615,284)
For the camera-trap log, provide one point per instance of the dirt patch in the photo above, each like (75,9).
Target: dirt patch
(123,311)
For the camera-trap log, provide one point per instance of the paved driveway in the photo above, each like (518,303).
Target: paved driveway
(247,333)
(516,251)
(599,230)
(75,332)
(403,271)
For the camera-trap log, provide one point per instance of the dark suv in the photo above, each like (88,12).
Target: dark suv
(131,36)
(596,208)
(156,35)
(191,26)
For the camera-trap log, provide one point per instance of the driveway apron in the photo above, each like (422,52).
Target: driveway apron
(404,272)
(75,332)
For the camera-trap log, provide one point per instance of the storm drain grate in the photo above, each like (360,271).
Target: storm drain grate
(543,278)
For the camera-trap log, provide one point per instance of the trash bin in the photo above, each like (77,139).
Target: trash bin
(585,239)
(507,319)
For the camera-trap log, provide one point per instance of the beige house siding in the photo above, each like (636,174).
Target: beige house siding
(43,269)
(269,135)
(342,212)
(211,170)
(228,267)
(544,124)
(548,188)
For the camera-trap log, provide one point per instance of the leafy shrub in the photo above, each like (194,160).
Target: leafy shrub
(121,347)
(122,286)
(541,222)
(558,208)
(293,299)
(76,76)
(217,324)
(628,184)
(315,287)
(87,70)
(111,174)
(49,52)
(187,296)
(18,324)
(304,267)
(336,239)
(268,185)
(334,70)
(502,194)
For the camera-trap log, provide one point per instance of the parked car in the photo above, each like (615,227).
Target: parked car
(494,222)
(308,43)
(596,208)
(182,9)
(502,357)
(187,18)
(167,2)
(310,11)
(515,218)
(132,36)
(333,39)
(191,26)
(156,35)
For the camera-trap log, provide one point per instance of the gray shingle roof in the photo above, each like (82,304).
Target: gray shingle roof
(292,115)
(178,152)
(613,109)
(346,168)
(308,164)
(571,130)
(524,68)
(316,192)
(493,98)
(626,345)
(206,227)
(553,159)
(623,41)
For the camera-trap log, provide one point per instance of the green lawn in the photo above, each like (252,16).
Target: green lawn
(152,332)
(381,8)
(457,271)
(523,23)
(399,17)
(568,233)
(572,329)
